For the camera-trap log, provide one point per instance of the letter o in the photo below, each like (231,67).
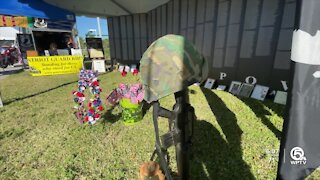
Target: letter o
(254,80)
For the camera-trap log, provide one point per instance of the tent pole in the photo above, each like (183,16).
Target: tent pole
(99,28)
(34,42)
(79,45)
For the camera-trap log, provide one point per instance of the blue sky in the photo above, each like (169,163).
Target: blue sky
(85,23)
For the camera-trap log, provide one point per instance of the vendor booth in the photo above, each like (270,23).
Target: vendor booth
(46,31)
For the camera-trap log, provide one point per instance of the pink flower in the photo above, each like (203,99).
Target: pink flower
(134,100)
(122,86)
(134,88)
(140,96)
(127,95)
(133,92)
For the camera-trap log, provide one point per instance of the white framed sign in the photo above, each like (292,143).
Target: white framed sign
(76,52)
(46,53)
(63,52)
(260,92)
(281,97)
(209,83)
(221,87)
(121,68)
(246,89)
(235,87)
(99,65)
(133,67)
(127,68)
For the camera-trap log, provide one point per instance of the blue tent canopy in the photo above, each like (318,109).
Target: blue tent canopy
(35,8)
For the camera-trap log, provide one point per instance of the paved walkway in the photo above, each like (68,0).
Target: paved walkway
(9,70)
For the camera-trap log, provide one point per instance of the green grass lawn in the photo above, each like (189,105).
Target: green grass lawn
(235,138)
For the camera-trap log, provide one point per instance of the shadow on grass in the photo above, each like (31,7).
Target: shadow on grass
(13,132)
(9,72)
(277,108)
(258,108)
(113,114)
(213,156)
(42,92)
(110,117)
(36,94)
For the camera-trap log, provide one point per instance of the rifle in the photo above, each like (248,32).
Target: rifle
(181,120)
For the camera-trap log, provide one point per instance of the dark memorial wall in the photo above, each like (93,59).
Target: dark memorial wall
(243,40)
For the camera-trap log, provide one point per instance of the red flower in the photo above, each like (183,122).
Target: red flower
(123,74)
(86,119)
(97,116)
(95,83)
(91,111)
(100,108)
(78,94)
(135,72)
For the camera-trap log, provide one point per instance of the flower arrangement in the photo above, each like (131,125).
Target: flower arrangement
(88,78)
(133,92)
(129,97)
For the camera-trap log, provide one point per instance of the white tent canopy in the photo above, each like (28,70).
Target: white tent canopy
(105,8)
(8,33)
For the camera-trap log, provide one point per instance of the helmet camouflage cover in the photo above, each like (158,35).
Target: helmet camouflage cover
(170,64)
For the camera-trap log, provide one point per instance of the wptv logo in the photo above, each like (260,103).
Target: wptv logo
(297,154)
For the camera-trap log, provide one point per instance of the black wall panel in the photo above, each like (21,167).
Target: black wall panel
(170,17)
(176,16)
(149,27)
(154,25)
(240,38)
(137,42)
(111,38)
(143,34)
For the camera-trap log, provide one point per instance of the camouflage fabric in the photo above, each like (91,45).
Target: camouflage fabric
(169,65)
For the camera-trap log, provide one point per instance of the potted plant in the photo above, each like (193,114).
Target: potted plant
(129,98)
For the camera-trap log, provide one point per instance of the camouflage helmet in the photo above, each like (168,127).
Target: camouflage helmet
(170,64)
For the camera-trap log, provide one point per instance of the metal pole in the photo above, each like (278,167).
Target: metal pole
(34,42)
(79,45)
(99,28)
